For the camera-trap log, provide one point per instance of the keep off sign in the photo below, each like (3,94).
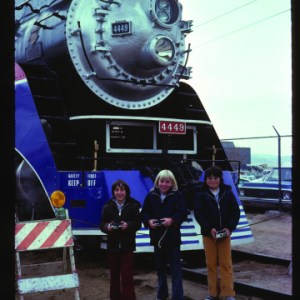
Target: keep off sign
(172,127)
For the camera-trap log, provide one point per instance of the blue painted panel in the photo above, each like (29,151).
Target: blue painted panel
(30,140)
(227,177)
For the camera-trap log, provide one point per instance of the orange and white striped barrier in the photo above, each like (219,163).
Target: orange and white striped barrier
(39,235)
(43,235)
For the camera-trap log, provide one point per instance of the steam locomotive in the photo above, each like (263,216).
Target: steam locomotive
(102,94)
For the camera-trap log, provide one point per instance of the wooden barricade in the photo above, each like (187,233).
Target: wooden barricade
(42,235)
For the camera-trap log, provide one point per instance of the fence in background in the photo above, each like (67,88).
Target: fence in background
(265,152)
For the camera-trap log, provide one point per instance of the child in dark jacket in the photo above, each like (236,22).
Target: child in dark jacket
(218,214)
(164,210)
(120,221)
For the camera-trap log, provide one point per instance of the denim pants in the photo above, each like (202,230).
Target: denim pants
(219,266)
(172,256)
(121,275)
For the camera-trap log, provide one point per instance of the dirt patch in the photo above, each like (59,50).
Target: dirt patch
(272,232)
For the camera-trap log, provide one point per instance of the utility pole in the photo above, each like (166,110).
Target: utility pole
(279,168)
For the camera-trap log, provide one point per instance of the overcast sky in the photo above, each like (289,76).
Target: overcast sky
(241,60)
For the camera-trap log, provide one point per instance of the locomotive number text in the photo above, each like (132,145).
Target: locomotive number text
(121,28)
(172,127)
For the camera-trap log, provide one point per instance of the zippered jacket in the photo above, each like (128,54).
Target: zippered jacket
(118,239)
(173,206)
(211,213)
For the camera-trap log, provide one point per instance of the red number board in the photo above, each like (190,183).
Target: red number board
(167,127)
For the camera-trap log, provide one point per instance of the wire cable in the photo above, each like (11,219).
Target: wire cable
(161,239)
(224,14)
(242,28)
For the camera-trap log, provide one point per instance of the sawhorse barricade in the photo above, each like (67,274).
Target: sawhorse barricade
(42,235)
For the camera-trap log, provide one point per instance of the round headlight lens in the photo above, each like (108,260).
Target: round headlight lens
(164,50)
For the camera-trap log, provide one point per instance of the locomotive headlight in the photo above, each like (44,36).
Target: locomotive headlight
(164,49)
(58,200)
(166,12)
(160,51)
